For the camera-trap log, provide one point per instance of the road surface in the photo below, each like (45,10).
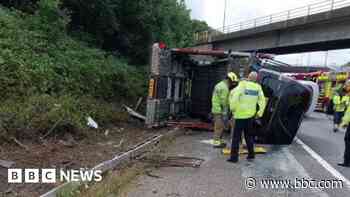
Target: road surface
(301,169)
(317,132)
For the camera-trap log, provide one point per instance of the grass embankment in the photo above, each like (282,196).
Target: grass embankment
(122,180)
(50,81)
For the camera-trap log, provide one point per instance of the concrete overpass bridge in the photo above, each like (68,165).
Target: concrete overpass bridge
(316,27)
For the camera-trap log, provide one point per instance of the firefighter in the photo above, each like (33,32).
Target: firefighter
(220,107)
(340,101)
(247,101)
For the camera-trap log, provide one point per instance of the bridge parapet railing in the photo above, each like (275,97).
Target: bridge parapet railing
(305,11)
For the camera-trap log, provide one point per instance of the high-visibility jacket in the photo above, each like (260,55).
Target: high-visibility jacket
(219,100)
(346,117)
(340,103)
(245,99)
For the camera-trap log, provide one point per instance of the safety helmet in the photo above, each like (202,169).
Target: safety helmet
(232,76)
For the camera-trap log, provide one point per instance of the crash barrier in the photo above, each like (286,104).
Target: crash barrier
(305,11)
(134,153)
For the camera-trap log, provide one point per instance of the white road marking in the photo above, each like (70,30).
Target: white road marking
(281,165)
(323,162)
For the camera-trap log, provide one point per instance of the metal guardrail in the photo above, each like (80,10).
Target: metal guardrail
(320,7)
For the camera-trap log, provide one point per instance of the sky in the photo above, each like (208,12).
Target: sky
(212,11)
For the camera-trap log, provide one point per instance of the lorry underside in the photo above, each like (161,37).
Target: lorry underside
(182,81)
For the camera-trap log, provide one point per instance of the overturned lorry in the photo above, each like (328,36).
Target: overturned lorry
(182,81)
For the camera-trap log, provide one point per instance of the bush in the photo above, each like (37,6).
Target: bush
(43,114)
(32,61)
(52,82)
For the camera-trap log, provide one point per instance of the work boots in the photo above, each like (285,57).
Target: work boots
(234,156)
(335,128)
(233,159)
(251,157)
(219,144)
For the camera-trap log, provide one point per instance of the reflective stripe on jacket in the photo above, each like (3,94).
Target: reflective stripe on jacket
(245,98)
(219,99)
(340,103)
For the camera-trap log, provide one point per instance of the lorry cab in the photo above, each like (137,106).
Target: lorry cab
(288,100)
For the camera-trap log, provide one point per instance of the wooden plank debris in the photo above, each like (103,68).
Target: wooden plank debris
(20,144)
(138,104)
(134,113)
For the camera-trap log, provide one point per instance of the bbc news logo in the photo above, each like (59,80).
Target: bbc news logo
(52,175)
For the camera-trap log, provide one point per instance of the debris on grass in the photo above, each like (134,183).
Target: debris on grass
(175,161)
(20,144)
(50,153)
(120,144)
(52,128)
(149,173)
(91,123)
(134,113)
(119,181)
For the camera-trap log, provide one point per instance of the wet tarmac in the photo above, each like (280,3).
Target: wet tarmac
(285,164)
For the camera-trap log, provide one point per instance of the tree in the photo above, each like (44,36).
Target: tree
(128,27)
(25,5)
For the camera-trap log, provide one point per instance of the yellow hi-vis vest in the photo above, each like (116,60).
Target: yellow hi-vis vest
(219,100)
(244,99)
(340,103)
(346,117)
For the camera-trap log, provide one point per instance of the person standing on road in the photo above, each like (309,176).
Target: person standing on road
(340,101)
(345,123)
(220,107)
(247,101)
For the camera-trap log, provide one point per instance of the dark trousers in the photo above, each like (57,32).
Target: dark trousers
(242,125)
(347,146)
(337,117)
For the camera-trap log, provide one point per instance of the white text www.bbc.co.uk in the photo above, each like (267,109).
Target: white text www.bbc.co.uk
(295,184)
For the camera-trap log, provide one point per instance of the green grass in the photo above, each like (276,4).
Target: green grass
(50,80)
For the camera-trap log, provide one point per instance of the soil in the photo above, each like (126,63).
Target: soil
(68,153)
